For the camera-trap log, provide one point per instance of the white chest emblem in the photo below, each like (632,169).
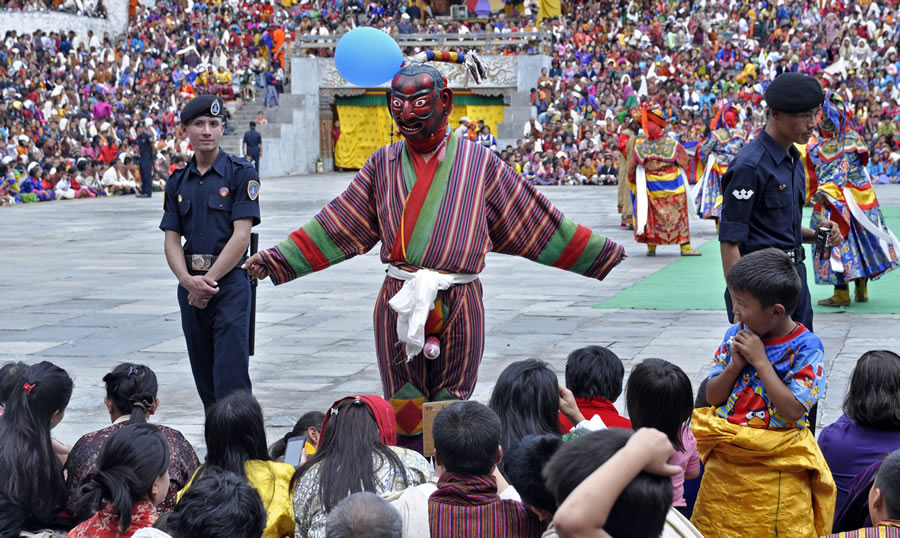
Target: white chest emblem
(742,194)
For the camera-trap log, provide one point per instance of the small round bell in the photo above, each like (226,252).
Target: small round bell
(432,349)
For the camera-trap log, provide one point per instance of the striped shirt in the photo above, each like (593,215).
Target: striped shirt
(480,205)
(468,506)
(887,528)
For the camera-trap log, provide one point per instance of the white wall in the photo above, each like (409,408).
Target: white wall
(57,21)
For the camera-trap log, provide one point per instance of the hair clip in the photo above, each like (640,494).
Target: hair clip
(334,411)
(357,401)
(28,388)
(131,371)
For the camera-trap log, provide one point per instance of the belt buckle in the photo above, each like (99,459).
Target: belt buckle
(201,262)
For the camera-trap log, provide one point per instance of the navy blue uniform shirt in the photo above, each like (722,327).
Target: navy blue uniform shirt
(253,140)
(763,194)
(202,208)
(145,146)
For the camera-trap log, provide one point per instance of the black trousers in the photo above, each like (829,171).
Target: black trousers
(146,166)
(255,158)
(218,338)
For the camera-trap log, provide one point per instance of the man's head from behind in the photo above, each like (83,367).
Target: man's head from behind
(364,514)
(764,287)
(641,508)
(884,497)
(523,465)
(594,372)
(467,438)
(219,503)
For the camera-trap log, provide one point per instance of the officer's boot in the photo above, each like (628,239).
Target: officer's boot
(651,250)
(861,290)
(686,250)
(841,297)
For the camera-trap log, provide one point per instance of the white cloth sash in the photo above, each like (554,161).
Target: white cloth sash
(415,299)
(640,181)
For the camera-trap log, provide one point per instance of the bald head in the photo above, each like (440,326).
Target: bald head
(364,514)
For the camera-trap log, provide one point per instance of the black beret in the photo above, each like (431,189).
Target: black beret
(794,93)
(203,105)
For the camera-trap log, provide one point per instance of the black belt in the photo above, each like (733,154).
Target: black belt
(797,255)
(204,262)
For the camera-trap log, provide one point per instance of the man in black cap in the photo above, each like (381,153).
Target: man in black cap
(212,202)
(764,188)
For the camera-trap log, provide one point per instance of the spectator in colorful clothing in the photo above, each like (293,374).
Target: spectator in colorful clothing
(467,447)
(235,435)
(357,452)
(131,478)
(594,374)
(131,391)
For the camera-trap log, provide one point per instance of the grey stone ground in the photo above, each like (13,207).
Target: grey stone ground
(86,285)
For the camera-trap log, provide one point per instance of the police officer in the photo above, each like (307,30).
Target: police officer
(145,153)
(253,145)
(213,203)
(764,188)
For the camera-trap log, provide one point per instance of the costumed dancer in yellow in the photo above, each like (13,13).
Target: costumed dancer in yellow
(659,191)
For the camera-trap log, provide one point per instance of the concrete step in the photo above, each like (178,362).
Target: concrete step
(519,99)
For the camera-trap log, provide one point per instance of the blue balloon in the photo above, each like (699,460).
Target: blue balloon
(367,57)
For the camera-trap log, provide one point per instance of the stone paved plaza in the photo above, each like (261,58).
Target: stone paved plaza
(86,286)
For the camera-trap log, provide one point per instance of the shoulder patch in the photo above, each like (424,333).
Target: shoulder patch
(253,189)
(742,192)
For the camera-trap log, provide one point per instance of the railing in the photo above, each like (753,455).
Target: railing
(539,41)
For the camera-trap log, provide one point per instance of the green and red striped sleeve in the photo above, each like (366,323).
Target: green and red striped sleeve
(346,227)
(576,248)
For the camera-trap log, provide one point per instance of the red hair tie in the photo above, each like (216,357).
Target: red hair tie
(28,388)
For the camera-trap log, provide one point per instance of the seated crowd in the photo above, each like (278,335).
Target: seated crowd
(74,105)
(541,459)
(691,58)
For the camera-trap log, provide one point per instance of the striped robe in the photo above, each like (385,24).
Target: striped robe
(467,505)
(480,206)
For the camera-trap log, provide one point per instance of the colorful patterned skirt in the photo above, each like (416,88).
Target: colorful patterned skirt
(667,213)
(861,253)
(709,196)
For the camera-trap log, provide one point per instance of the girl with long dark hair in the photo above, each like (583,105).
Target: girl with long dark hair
(132,477)
(131,391)
(32,490)
(526,398)
(235,435)
(659,395)
(356,453)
